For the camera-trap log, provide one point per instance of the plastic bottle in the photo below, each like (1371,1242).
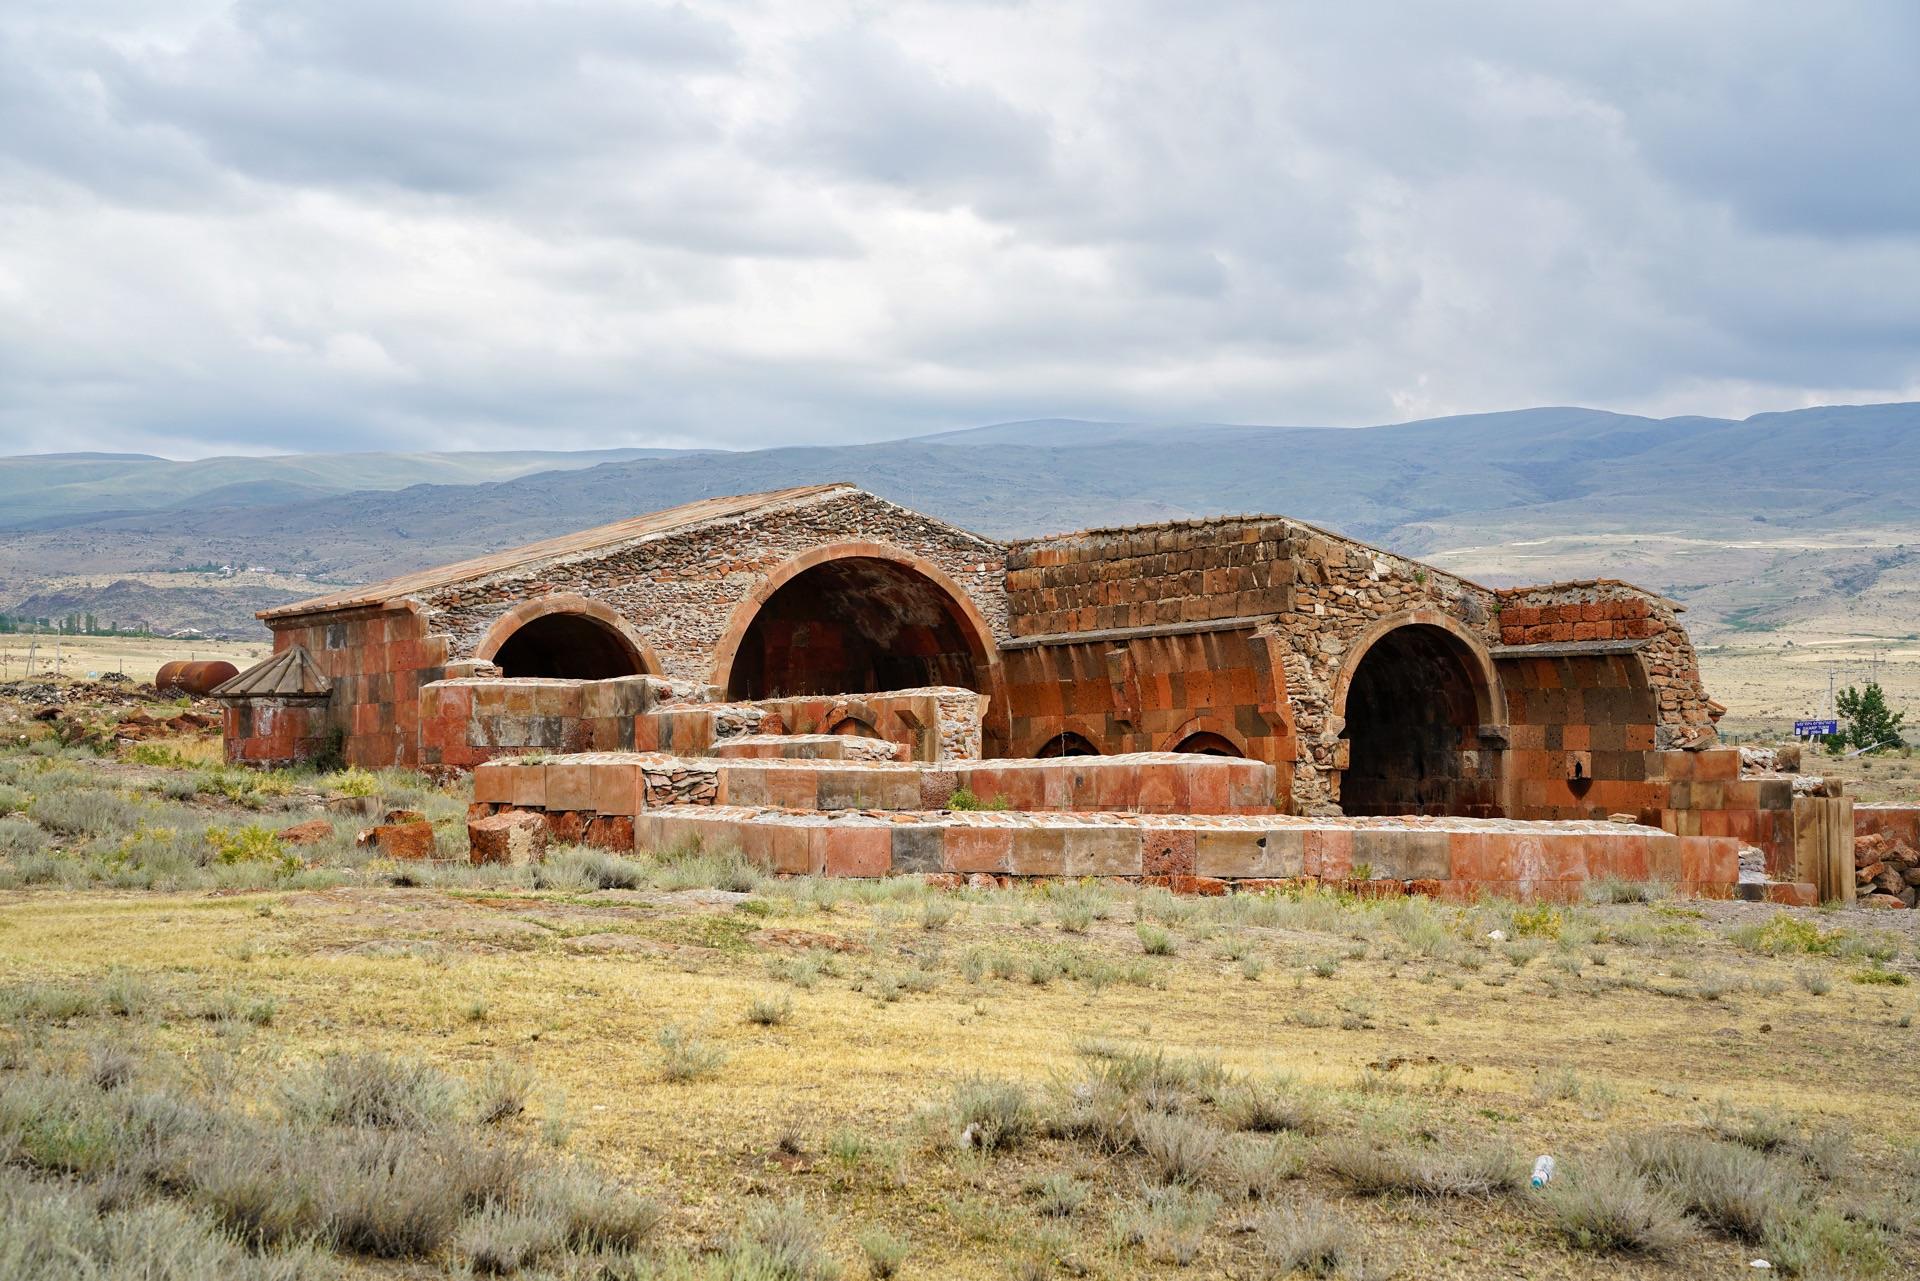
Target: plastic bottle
(1542,1171)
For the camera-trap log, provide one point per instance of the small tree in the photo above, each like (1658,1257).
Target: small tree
(1870,723)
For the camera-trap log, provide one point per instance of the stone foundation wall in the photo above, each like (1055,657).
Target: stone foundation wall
(470,720)
(274,731)
(1460,859)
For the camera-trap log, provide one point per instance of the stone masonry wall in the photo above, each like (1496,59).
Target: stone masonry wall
(1148,694)
(377,660)
(1311,594)
(680,588)
(1342,589)
(1609,610)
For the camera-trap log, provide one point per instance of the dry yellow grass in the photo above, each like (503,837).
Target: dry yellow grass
(78,657)
(578,986)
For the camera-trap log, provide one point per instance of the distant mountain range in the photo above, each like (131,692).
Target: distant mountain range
(1796,520)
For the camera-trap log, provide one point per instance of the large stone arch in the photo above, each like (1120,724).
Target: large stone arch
(566,634)
(1422,720)
(873,616)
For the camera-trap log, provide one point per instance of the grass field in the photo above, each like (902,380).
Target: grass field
(308,1062)
(138,658)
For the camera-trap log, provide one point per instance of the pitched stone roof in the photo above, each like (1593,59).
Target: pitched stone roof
(671,520)
(289,674)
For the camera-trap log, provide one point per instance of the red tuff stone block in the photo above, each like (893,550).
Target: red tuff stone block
(401,840)
(1207,789)
(1327,853)
(1167,854)
(793,789)
(566,827)
(1720,765)
(977,849)
(1793,893)
(512,838)
(310,832)
(1207,886)
(611,832)
(853,851)
(1476,856)
(1664,862)
(618,789)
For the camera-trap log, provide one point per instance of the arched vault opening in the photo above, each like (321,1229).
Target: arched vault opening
(570,645)
(858,625)
(1414,711)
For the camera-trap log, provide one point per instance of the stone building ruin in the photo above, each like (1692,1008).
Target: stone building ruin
(753,645)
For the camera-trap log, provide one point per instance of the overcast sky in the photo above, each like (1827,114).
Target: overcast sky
(286,225)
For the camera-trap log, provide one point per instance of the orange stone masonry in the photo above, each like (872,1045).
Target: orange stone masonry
(818,632)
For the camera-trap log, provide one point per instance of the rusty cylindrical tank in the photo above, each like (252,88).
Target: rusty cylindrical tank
(194,678)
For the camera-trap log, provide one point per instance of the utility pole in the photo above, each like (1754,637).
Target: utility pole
(33,648)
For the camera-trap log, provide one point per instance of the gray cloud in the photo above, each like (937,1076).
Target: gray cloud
(429,223)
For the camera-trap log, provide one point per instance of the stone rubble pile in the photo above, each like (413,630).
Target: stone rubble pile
(1886,871)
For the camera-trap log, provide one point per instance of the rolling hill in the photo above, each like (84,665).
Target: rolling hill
(1809,518)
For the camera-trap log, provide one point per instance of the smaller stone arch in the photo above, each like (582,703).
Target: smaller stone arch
(1207,736)
(566,635)
(1067,743)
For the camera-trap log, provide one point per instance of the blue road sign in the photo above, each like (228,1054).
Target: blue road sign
(1809,729)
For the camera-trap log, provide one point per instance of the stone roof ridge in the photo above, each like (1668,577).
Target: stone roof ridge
(1245,518)
(291,673)
(1568,584)
(671,520)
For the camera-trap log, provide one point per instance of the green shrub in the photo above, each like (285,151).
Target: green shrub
(369,1089)
(1267,1108)
(1783,934)
(1059,1195)
(503,1092)
(1155,941)
(1307,1238)
(1606,1205)
(884,1252)
(993,1114)
(1169,1223)
(1824,1243)
(1371,1169)
(84,812)
(770,1010)
(780,1242)
(501,1242)
(21,837)
(251,844)
(586,868)
(1730,1186)
(686,1057)
(1178,1149)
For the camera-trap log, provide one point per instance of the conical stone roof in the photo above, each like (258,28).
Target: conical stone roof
(291,673)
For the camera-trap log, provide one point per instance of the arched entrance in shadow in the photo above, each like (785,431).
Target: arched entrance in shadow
(574,646)
(1067,744)
(1207,743)
(1415,705)
(857,624)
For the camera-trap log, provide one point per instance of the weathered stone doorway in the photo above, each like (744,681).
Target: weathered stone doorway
(1415,708)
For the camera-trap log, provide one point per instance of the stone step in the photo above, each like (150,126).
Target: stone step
(1453,858)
